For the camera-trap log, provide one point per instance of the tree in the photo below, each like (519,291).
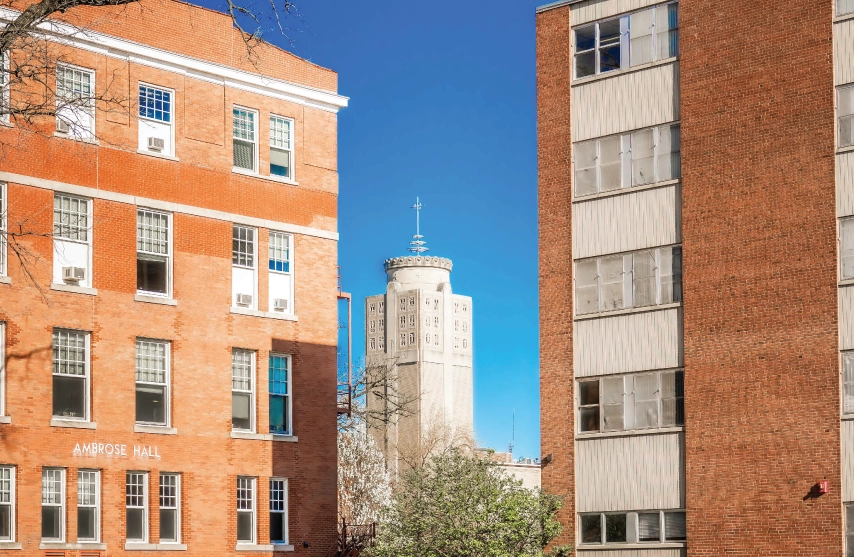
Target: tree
(466,506)
(364,485)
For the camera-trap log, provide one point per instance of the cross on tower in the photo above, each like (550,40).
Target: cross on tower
(418,245)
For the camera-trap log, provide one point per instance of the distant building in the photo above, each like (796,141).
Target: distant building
(527,470)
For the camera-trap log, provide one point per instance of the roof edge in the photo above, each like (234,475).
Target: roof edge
(553,5)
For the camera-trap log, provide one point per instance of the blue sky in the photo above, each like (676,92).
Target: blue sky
(443,107)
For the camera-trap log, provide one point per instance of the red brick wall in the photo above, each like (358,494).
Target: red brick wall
(555,255)
(760,309)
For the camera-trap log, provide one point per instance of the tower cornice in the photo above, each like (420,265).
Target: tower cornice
(418,261)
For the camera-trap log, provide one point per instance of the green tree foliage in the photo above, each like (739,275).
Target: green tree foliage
(459,505)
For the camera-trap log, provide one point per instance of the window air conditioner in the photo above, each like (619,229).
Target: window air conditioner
(280,304)
(62,126)
(156,144)
(73,274)
(244,299)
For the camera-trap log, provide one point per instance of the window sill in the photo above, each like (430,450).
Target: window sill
(5,419)
(253,547)
(132,546)
(251,436)
(271,178)
(282,547)
(155,300)
(841,18)
(847,417)
(157,155)
(843,150)
(285,438)
(74,138)
(74,424)
(5,280)
(632,433)
(625,191)
(10,545)
(84,545)
(619,546)
(629,311)
(601,76)
(268,314)
(58,286)
(156,429)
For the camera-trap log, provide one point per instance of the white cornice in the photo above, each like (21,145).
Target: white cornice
(124,49)
(554,5)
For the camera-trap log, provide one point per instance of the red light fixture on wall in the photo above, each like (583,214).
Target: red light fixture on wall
(822,486)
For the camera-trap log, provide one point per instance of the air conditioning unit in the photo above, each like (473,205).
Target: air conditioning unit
(156,144)
(280,304)
(73,274)
(244,299)
(62,126)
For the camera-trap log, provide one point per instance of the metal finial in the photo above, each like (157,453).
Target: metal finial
(418,245)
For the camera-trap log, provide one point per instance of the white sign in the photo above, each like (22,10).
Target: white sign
(115,449)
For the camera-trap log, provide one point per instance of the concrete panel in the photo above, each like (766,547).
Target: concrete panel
(592,10)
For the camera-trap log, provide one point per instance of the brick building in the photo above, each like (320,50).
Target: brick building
(170,366)
(696,194)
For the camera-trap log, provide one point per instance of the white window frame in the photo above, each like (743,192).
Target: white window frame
(171,92)
(145,504)
(176,508)
(90,229)
(847,384)
(290,272)
(252,389)
(153,256)
(4,220)
(284,512)
(3,369)
(632,528)
(253,268)
(88,373)
(7,96)
(96,506)
(167,384)
(255,131)
(840,143)
(11,504)
(253,485)
(291,177)
(89,110)
(290,396)
(61,505)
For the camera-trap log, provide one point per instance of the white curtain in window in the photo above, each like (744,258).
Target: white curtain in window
(613,395)
(646,400)
(640,28)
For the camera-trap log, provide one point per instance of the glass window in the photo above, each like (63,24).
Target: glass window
(242,392)
(155,103)
(657,400)
(849,530)
(848,383)
(246,510)
(70,375)
(137,506)
(667,31)
(152,247)
(646,400)
(170,518)
(278,510)
(609,45)
(613,396)
(588,410)
(649,527)
(244,135)
(53,504)
(615,528)
(591,528)
(674,526)
(75,107)
(88,505)
(585,51)
(599,47)
(642,32)
(845,113)
(243,246)
(846,247)
(152,382)
(70,218)
(280,402)
(280,252)
(7,503)
(281,150)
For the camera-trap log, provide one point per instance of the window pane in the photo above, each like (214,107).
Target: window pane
(846,247)
(609,45)
(151,275)
(279,252)
(669,155)
(609,163)
(279,414)
(50,523)
(69,396)
(168,525)
(586,287)
(69,353)
(667,35)
(585,64)
(649,528)
(151,361)
(151,404)
(585,168)
(155,103)
(280,163)
(643,278)
(591,529)
(135,524)
(71,218)
(240,407)
(849,518)
(86,523)
(643,157)
(672,399)
(588,419)
(640,31)
(848,383)
(280,133)
(5,522)
(612,282)
(244,527)
(588,392)
(585,38)
(674,526)
(646,401)
(277,527)
(244,154)
(615,528)
(243,246)
(612,401)
(671,274)
(278,375)
(152,232)
(244,124)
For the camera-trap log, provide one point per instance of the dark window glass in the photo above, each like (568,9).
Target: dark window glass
(135,524)
(240,411)
(648,527)
(151,275)
(589,392)
(591,529)
(280,162)
(674,526)
(279,415)
(585,64)
(86,523)
(680,398)
(5,522)
(50,523)
(585,38)
(609,46)
(69,396)
(168,525)
(244,155)
(277,527)
(244,527)
(615,528)
(151,404)
(589,419)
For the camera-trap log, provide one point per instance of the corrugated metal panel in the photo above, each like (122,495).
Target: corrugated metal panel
(846,318)
(626,343)
(845,184)
(848,460)
(843,52)
(626,102)
(630,473)
(632,553)
(627,222)
(592,10)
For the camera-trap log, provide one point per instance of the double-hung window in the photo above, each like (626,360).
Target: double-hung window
(2,369)
(632,159)
(845,115)
(279,510)
(281,147)
(75,102)
(632,527)
(246,507)
(844,7)
(136,501)
(849,530)
(280,394)
(88,505)
(4,271)
(281,276)
(631,402)
(243,258)
(70,375)
(72,240)
(153,246)
(846,248)
(243,390)
(53,504)
(152,382)
(245,138)
(7,503)
(170,515)
(155,119)
(601,47)
(848,382)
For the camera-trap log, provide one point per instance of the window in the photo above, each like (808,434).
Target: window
(170,517)
(280,279)
(2,368)
(628,160)
(280,395)
(75,103)
(70,375)
(632,527)
(53,504)
(846,248)
(246,510)
(3,221)
(245,138)
(7,503)
(640,279)
(278,510)
(242,390)
(639,38)
(844,7)
(243,280)
(848,382)
(88,505)
(152,382)
(72,240)
(136,490)
(152,252)
(155,119)
(845,114)
(631,402)
(281,147)
(849,530)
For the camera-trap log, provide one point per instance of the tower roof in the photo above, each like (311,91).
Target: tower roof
(418,261)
